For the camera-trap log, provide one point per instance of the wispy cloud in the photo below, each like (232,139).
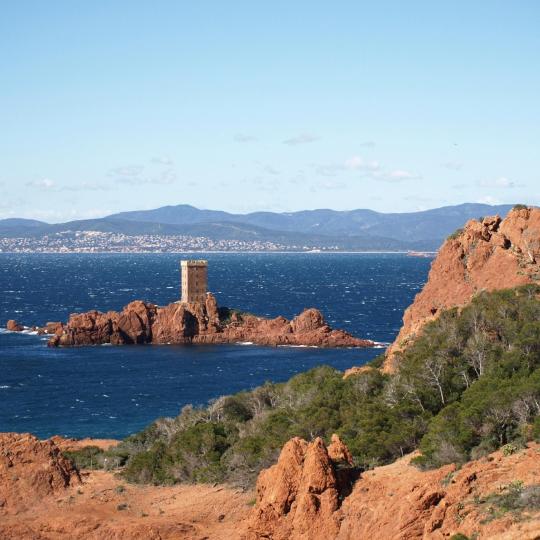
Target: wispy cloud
(367,168)
(136,175)
(303,138)
(367,144)
(501,182)
(47,184)
(397,175)
(488,199)
(245,138)
(167,161)
(163,178)
(127,171)
(453,165)
(43,183)
(86,186)
(358,163)
(271,170)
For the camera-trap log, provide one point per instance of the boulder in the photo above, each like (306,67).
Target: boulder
(14,326)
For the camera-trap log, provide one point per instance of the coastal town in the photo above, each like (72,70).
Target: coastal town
(107,242)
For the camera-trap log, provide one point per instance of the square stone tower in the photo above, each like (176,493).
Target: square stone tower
(194,281)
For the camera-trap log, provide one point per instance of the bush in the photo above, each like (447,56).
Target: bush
(535,431)
(456,234)
(89,457)
(468,385)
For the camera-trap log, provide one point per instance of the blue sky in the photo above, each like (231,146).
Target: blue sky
(244,106)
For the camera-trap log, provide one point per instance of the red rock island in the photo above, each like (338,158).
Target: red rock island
(196,318)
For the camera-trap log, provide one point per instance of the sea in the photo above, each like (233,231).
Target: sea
(114,391)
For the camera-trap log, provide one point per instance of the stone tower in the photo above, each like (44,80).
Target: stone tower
(194,281)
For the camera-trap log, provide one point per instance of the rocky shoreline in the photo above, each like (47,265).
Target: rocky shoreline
(142,323)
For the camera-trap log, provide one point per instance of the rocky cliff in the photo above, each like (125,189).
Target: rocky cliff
(485,255)
(302,498)
(140,322)
(30,470)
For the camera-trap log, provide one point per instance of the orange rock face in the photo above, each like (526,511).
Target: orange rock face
(30,470)
(300,498)
(300,495)
(140,323)
(487,255)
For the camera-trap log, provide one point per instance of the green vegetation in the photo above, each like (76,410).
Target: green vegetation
(514,498)
(226,314)
(469,385)
(456,234)
(520,207)
(89,457)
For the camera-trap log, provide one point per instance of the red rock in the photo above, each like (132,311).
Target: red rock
(30,470)
(299,497)
(488,255)
(140,323)
(14,326)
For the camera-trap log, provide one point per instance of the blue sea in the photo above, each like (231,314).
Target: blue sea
(109,391)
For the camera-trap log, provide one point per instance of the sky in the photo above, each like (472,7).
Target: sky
(282,106)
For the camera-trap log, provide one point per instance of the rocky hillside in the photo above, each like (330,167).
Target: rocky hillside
(42,497)
(30,470)
(304,496)
(487,255)
(309,494)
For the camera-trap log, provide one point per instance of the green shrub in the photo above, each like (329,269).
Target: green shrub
(89,457)
(456,234)
(467,386)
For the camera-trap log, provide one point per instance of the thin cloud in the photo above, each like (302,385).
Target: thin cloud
(397,175)
(44,183)
(127,171)
(168,162)
(85,186)
(358,163)
(271,170)
(245,138)
(453,165)
(488,199)
(303,138)
(367,144)
(132,175)
(163,178)
(501,182)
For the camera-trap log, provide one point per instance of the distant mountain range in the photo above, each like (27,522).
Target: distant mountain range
(347,230)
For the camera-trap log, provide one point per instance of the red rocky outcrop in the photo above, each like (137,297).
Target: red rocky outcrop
(486,255)
(300,496)
(30,470)
(14,326)
(141,322)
